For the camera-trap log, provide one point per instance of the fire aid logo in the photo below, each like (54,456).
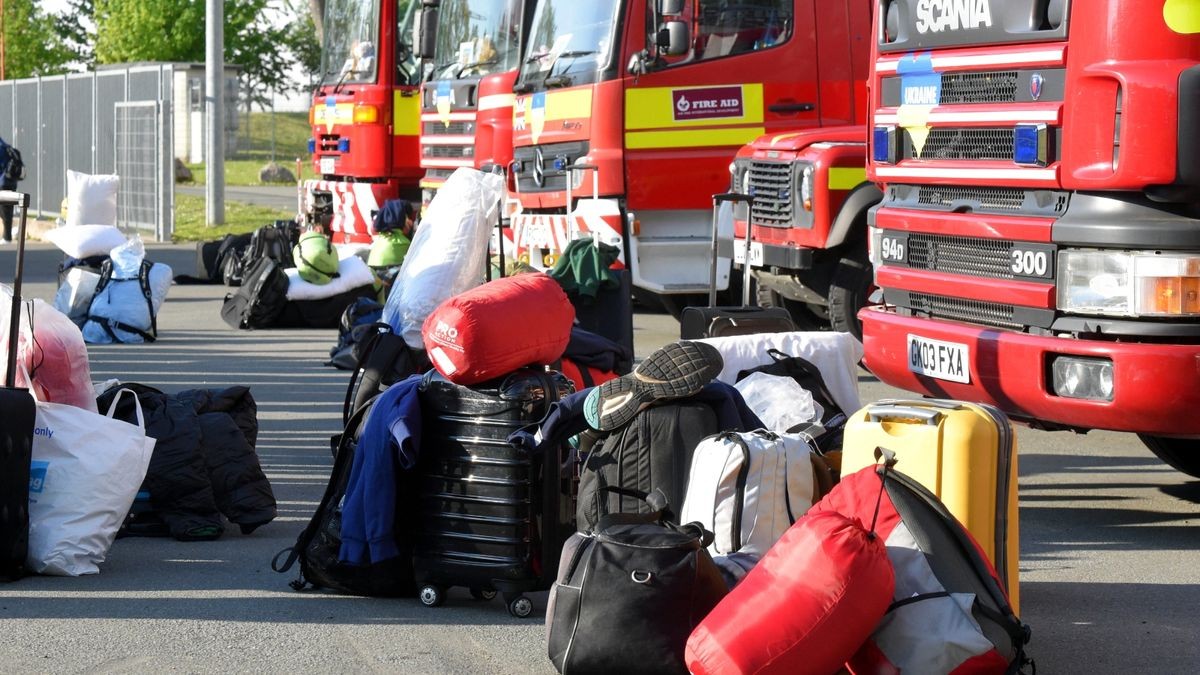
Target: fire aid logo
(707,103)
(939,15)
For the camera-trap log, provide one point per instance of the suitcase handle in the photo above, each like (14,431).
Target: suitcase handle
(878,413)
(719,199)
(940,403)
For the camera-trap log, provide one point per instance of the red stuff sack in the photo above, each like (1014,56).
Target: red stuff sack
(584,376)
(496,328)
(806,607)
(949,613)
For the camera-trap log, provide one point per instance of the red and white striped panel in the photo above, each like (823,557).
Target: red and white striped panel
(353,206)
(535,235)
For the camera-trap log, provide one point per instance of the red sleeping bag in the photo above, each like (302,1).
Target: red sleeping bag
(949,613)
(584,376)
(496,328)
(805,608)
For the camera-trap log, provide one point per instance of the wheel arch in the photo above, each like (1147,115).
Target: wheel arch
(853,214)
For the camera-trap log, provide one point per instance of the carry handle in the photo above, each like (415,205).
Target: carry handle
(879,413)
(137,405)
(718,199)
(656,499)
(20,199)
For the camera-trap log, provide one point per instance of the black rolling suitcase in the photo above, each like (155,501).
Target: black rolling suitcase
(713,321)
(490,517)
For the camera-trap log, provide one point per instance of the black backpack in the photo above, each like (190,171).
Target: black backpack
(15,171)
(629,594)
(652,452)
(356,325)
(143,281)
(261,299)
(319,545)
(274,241)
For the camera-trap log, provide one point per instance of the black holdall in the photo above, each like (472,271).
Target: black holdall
(807,375)
(629,594)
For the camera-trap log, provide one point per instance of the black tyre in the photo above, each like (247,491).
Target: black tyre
(803,315)
(480,594)
(432,596)
(1181,454)
(520,607)
(851,287)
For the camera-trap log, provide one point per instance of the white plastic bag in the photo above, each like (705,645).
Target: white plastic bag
(780,402)
(85,474)
(447,253)
(75,294)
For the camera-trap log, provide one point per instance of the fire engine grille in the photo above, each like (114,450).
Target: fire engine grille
(965,143)
(972,311)
(771,184)
(961,255)
(455,129)
(993,199)
(449,151)
(986,87)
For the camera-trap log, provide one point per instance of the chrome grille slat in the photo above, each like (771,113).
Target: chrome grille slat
(966,143)
(960,255)
(972,311)
(998,86)
(455,129)
(771,185)
(447,152)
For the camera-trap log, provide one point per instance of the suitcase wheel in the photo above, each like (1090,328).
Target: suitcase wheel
(432,596)
(520,607)
(480,594)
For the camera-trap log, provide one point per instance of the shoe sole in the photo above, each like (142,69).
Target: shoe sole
(677,370)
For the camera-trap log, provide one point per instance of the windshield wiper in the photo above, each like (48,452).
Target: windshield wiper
(342,80)
(550,80)
(462,68)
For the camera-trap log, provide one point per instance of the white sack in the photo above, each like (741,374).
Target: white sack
(448,251)
(352,273)
(92,199)
(75,294)
(836,355)
(83,241)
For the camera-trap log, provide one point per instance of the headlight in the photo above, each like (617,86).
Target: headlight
(1129,284)
(738,173)
(806,188)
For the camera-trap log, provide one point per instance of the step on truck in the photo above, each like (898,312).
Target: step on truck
(1038,243)
(628,113)
(365,117)
(474,49)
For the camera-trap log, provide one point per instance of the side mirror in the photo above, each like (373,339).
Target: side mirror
(673,38)
(670,7)
(425,29)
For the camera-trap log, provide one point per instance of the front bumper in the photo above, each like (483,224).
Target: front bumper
(1156,386)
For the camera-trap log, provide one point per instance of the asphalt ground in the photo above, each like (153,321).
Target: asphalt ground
(1109,545)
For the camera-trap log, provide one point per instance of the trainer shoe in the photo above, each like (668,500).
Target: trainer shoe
(677,370)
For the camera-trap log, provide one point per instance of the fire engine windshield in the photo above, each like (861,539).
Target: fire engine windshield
(476,38)
(351,41)
(570,43)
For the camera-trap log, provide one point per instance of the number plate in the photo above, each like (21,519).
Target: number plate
(1032,261)
(943,360)
(326,166)
(893,247)
(756,252)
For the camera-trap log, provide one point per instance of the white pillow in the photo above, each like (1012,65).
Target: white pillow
(82,241)
(92,198)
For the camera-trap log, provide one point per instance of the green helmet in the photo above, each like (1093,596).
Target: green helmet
(316,259)
(388,249)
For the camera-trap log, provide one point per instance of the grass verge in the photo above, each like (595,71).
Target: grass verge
(239,217)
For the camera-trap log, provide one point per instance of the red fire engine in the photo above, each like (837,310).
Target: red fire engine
(365,116)
(628,111)
(1038,244)
(467,104)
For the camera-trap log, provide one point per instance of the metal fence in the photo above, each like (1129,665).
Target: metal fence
(108,121)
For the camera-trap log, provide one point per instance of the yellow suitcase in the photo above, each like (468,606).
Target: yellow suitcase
(965,453)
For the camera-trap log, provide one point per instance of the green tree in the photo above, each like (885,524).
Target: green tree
(31,46)
(150,30)
(74,28)
(303,43)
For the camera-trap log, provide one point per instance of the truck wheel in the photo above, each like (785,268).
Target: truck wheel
(1181,454)
(849,291)
(802,315)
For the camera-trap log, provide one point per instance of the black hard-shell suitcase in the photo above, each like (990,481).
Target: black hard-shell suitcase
(712,321)
(490,517)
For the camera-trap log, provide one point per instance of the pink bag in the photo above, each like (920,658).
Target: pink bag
(56,356)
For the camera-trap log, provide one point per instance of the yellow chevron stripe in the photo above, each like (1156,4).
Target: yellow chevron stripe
(845,178)
(691,138)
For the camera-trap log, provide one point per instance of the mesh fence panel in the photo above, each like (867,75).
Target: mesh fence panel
(137,134)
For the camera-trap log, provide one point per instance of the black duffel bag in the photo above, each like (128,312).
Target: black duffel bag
(629,594)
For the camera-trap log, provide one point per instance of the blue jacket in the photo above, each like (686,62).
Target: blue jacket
(387,445)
